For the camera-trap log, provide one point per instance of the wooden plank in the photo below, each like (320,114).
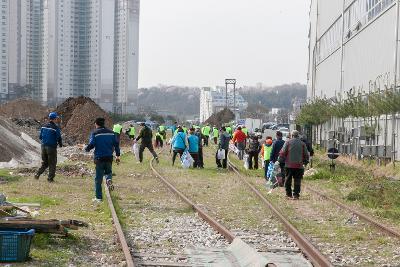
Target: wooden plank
(163,264)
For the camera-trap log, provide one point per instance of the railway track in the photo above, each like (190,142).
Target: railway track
(368,229)
(168,260)
(312,253)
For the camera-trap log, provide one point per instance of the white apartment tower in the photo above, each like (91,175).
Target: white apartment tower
(37,48)
(4,35)
(126,51)
(77,60)
(13,34)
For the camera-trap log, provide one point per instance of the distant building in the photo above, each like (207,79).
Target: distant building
(126,52)
(214,100)
(37,48)
(13,38)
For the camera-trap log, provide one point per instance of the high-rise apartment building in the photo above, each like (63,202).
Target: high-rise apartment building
(77,49)
(126,46)
(13,29)
(4,35)
(69,48)
(37,48)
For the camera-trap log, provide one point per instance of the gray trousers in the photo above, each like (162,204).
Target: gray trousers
(49,160)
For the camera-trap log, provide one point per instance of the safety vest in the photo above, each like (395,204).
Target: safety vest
(117,128)
(206,131)
(159,135)
(267,152)
(215,132)
(246,131)
(132,131)
(229,130)
(162,128)
(185,129)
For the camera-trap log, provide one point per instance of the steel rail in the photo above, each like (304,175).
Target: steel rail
(363,216)
(212,222)
(120,233)
(313,254)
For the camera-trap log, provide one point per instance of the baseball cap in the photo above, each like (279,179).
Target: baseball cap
(53,115)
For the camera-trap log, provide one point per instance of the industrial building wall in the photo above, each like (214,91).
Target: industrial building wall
(327,78)
(370,54)
(367,34)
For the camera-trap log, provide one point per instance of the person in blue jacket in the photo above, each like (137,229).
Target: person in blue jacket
(50,137)
(104,142)
(194,144)
(179,144)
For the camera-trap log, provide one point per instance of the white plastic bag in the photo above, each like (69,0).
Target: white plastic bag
(186,160)
(246,161)
(221,154)
(135,151)
(233,148)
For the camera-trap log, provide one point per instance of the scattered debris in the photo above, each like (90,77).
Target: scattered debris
(42,226)
(75,153)
(79,169)
(310,172)
(78,115)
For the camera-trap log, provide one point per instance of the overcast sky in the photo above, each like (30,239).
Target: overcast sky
(202,42)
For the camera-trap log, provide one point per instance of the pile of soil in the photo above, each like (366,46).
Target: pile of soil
(220,118)
(78,115)
(17,148)
(23,109)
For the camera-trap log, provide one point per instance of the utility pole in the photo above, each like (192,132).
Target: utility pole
(231,82)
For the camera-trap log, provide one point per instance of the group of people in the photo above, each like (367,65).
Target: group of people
(291,155)
(283,159)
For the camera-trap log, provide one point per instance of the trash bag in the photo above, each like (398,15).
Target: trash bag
(186,160)
(246,161)
(135,151)
(233,148)
(221,154)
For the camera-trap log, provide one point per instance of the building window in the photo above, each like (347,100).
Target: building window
(330,41)
(360,13)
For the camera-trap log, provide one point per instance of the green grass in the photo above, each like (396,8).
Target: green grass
(378,195)
(6,176)
(44,201)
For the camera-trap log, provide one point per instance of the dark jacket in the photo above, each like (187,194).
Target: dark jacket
(294,153)
(146,135)
(224,139)
(308,145)
(104,142)
(276,148)
(254,146)
(50,135)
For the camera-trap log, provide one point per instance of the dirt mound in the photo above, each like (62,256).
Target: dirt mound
(224,116)
(23,109)
(78,115)
(17,148)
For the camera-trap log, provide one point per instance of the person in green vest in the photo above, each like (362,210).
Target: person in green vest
(185,129)
(131,131)
(229,130)
(117,129)
(215,134)
(162,130)
(159,140)
(206,134)
(245,130)
(266,154)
